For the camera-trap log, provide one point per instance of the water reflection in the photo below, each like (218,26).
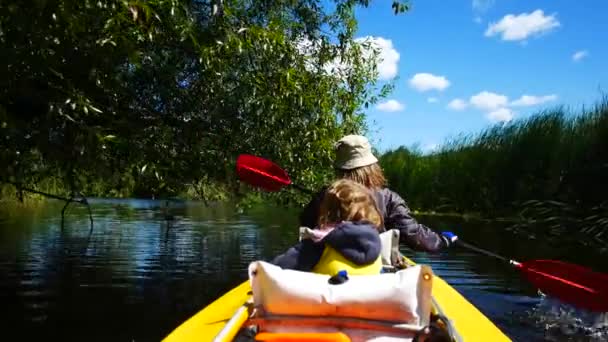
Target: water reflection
(136,276)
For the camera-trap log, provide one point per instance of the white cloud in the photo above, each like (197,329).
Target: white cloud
(501,115)
(488,101)
(457,104)
(482,5)
(497,106)
(519,27)
(578,55)
(425,81)
(432,100)
(390,106)
(531,100)
(388,56)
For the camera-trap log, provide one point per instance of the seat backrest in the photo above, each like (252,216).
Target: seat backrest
(390,246)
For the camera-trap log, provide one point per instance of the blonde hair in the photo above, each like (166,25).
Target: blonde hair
(370,175)
(346,200)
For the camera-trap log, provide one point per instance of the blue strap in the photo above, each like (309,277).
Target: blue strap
(339,278)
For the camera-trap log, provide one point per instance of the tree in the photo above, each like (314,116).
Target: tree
(155,95)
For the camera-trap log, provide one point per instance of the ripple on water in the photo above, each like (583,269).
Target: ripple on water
(134,261)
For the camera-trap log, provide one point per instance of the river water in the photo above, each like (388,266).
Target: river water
(136,275)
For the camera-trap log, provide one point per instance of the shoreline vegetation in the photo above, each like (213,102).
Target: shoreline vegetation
(548,172)
(157,99)
(546,176)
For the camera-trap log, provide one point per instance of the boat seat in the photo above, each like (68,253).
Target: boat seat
(390,248)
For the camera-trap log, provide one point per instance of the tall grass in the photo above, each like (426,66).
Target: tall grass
(545,168)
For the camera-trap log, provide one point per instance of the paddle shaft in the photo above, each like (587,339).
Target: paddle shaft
(488,253)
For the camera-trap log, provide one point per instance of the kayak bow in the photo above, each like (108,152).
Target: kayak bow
(226,316)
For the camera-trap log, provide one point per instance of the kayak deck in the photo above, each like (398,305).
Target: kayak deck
(227,314)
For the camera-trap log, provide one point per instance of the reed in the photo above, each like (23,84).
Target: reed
(513,169)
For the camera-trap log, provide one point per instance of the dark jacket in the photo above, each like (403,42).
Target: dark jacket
(358,242)
(396,216)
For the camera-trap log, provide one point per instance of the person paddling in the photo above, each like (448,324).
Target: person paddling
(355,161)
(346,236)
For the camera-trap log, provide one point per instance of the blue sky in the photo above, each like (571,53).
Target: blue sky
(463,65)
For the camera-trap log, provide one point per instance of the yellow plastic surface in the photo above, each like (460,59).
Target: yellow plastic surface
(208,322)
(470,324)
(332,262)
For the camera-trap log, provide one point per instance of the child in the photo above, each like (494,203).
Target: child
(346,237)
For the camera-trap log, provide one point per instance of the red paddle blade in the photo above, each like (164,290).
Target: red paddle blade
(573,284)
(260,172)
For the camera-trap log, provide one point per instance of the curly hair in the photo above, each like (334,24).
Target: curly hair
(347,200)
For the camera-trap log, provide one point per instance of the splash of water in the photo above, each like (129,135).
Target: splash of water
(563,322)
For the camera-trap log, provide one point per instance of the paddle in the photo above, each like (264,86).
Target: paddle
(264,174)
(574,284)
(570,283)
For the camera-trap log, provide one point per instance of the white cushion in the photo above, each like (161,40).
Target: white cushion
(403,297)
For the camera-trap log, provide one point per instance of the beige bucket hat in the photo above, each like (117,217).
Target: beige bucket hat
(353,151)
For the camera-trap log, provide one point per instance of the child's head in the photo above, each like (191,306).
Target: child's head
(346,200)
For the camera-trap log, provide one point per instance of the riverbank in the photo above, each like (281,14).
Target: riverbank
(10,193)
(549,172)
(546,175)
(537,222)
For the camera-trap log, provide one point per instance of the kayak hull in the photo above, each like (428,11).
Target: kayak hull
(222,319)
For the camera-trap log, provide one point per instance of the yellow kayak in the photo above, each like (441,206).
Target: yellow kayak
(227,317)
